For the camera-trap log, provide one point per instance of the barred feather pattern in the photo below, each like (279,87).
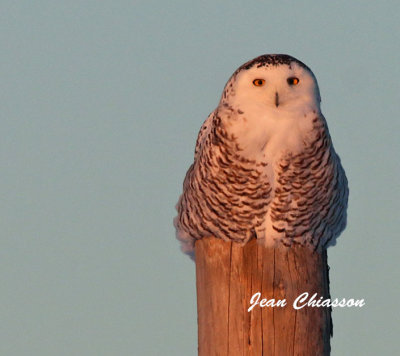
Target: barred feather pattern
(229,196)
(224,194)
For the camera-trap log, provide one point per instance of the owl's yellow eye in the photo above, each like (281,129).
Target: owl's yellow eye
(293,81)
(258,82)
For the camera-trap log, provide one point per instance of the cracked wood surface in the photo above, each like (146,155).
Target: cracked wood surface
(227,277)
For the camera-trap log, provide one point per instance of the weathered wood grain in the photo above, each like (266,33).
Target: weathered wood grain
(228,275)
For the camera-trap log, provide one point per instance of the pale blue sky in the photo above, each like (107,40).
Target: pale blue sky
(101,104)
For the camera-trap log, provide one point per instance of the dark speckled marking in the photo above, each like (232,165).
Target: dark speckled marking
(267,60)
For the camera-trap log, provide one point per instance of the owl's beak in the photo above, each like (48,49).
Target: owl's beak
(276,99)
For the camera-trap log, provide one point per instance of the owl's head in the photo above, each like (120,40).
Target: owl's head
(269,103)
(272,82)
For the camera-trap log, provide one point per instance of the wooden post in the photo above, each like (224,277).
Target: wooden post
(228,275)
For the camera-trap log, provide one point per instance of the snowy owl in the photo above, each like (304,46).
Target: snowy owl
(264,164)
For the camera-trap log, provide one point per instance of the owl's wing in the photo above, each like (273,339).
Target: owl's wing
(336,218)
(310,196)
(187,220)
(204,131)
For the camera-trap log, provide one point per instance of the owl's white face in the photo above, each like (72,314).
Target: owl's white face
(275,106)
(278,89)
